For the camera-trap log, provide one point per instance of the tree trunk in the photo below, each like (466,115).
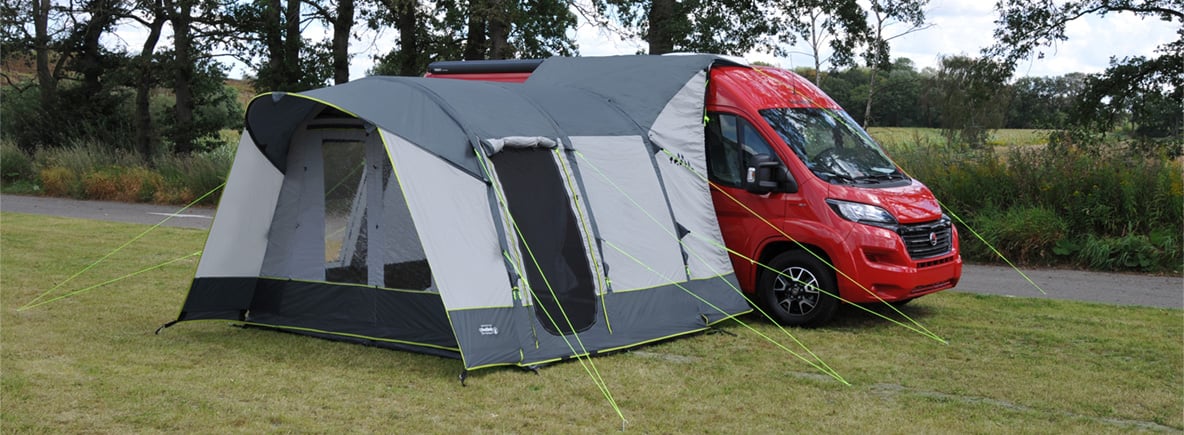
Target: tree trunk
(45,80)
(341,32)
(144,84)
(405,12)
(499,31)
(292,43)
(91,62)
(475,40)
(183,136)
(274,40)
(661,18)
(871,92)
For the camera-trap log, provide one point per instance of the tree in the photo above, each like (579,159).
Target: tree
(341,19)
(731,27)
(886,14)
(840,26)
(973,97)
(473,30)
(145,74)
(1025,27)
(268,34)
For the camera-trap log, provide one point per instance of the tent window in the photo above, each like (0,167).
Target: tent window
(341,216)
(369,236)
(556,261)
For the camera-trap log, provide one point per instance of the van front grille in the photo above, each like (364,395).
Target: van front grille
(927,240)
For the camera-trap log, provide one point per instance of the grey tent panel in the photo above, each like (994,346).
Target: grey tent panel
(639,85)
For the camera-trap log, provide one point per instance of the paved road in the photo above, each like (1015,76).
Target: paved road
(1114,288)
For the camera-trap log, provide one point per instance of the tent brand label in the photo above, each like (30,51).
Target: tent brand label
(487,329)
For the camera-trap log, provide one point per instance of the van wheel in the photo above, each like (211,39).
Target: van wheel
(802,294)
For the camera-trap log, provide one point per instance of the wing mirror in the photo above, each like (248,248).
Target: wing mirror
(765,174)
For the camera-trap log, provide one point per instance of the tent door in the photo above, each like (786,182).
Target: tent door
(563,288)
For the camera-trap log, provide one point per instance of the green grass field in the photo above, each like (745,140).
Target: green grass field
(91,364)
(894,137)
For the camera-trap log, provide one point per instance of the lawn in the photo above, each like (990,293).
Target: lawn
(90,363)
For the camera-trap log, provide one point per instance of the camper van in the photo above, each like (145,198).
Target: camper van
(799,188)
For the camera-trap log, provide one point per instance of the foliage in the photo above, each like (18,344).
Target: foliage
(1158,251)
(1027,234)
(90,171)
(90,363)
(1044,102)
(840,26)
(1138,86)
(973,98)
(1099,192)
(731,27)
(15,164)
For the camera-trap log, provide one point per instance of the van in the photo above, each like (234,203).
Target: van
(812,210)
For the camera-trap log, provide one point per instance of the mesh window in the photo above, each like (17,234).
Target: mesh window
(341,216)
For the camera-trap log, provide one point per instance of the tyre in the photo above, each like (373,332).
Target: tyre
(803,294)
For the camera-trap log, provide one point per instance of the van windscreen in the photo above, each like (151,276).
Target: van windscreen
(833,146)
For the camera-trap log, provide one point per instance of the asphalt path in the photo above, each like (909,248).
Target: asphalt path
(1110,288)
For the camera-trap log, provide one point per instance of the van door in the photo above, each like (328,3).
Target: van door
(732,145)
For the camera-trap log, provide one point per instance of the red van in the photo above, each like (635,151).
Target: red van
(800,188)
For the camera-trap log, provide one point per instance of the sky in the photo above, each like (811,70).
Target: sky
(959,27)
(966,27)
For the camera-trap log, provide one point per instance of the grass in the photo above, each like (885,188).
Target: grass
(893,137)
(90,363)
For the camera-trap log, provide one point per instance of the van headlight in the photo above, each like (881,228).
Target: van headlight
(863,213)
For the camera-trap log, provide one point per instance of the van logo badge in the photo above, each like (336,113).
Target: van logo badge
(932,239)
(487,329)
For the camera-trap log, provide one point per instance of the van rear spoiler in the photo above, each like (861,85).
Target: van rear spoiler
(484,66)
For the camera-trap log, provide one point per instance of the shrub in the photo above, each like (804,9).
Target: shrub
(15,165)
(101,184)
(86,156)
(1130,253)
(190,176)
(59,181)
(1025,234)
(127,184)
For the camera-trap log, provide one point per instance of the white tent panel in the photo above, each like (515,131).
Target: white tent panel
(238,237)
(679,130)
(453,218)
(630,211)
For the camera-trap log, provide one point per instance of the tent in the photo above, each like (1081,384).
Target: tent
(502,224)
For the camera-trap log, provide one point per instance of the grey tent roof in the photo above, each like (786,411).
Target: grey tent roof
(565,96)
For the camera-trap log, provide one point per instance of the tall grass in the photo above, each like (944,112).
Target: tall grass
(1047,203)
(88,170)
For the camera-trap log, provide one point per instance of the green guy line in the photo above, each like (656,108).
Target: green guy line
(823,367)
(109,254)
(588,366)
(84,290)
(597,378)
(980,237)
(926,332)
(698,256)
(989,245)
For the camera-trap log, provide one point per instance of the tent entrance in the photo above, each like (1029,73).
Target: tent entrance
(341,215)
(554,255)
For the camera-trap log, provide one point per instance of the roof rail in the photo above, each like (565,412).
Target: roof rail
(484,66)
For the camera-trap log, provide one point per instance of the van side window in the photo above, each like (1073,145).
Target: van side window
(731,144)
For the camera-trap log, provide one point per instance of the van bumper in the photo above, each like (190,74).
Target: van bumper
(883,271)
